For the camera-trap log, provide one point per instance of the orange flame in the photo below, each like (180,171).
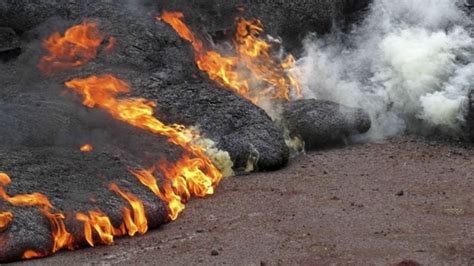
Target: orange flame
(78,46)
(136,222)
(253,72)
(31,254)
(167,193)
(201,174)
(61,237)
(87,148)
(102,226)
(5,219)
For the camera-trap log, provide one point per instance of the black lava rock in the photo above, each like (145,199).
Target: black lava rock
(319,123)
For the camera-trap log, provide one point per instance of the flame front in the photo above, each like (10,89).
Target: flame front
(136,221)
(102,226)
(189,177)
(253,72)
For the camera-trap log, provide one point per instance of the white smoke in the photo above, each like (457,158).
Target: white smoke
(407,64)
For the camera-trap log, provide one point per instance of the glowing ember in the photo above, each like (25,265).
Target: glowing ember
(253,73)
(61,237)
(87,148)
(78,46)
(5,219)
(31,254)
(200,174)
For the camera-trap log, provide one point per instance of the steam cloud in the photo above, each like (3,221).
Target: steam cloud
(409,64)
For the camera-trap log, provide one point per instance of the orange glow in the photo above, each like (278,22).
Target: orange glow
(78,46)
(111,46)
(61,237)
(87,148)
(5,219)
(102,226)
(136,221)
(166,193)
(201,176)
(253,73)
(31,254)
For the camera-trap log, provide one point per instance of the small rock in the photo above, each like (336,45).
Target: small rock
(214,252)
(400,193)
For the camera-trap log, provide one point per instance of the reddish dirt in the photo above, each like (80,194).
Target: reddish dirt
(377,203)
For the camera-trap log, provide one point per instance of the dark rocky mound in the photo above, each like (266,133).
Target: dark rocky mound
(319,123)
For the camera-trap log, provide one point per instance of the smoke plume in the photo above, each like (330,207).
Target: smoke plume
(408,63)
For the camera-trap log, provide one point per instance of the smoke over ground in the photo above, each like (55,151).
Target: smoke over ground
(408,63)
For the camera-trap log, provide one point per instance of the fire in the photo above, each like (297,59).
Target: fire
(193,175)
(102,226)
(190,177)
(167,193)
(133,221)
(253,73)
(61,237)
(78,46)
(87,148)
(136,221)
(5,219)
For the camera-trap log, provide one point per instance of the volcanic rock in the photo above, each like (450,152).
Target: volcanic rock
(320,123)
(10,45)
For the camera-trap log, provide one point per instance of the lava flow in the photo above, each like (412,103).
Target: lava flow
(190,176)
(253,73)
(78,46)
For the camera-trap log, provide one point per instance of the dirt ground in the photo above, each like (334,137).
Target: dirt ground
(372,204)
